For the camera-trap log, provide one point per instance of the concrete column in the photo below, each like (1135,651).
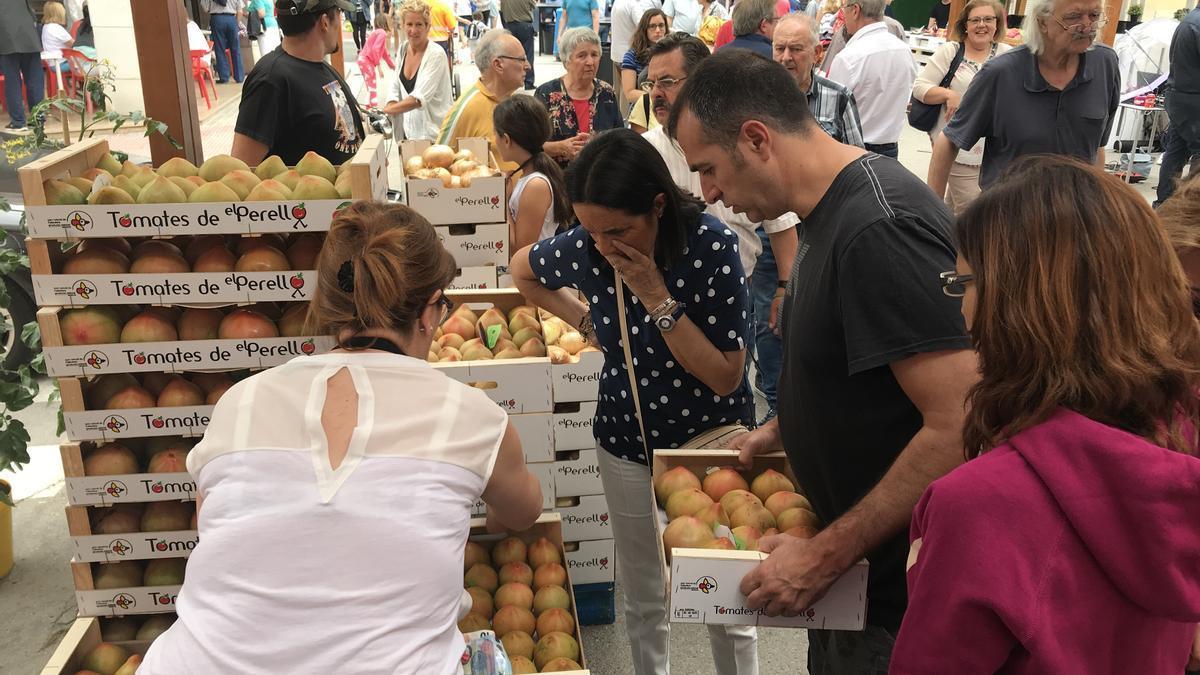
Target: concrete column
(112,23)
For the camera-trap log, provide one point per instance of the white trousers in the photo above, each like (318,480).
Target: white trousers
(630,495)
(268,41)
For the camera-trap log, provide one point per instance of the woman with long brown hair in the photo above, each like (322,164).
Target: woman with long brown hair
(1180,217)
(1069,542)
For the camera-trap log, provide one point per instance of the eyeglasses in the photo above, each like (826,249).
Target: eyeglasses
(954,284)
(518,59)
(657,26)
(666,83)
(447,306)
(1073,23)
(975,21)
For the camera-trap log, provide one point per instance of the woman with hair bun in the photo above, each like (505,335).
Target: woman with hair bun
(336,489)
(1069,542)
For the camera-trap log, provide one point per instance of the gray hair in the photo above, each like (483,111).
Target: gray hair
(1032,27)
(803,20)
(569,41)
(749,15)
(488,48)
(871,9)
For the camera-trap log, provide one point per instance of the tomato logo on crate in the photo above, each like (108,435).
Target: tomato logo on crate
(157,422)
(120,546)
(124,601)
(84,289)
(604,563)
(125,220)
(140,358)
(128,289)
(297,284)
(115,489)
(299,213)
(79,220)
(308,347)
(115,424)
(96,359)
(495,201)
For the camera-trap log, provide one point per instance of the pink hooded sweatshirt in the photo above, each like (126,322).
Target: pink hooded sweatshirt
(1072,548)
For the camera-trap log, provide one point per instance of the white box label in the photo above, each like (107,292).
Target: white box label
(133,487)
(475,245)
(113,425)
(135,546)
(180,356)
(588,520)
(122,601)
(167,220)
(573,430)
(74,290)
(516,385)
(545,476)
(578,477)
(593,562)
(704,589)
(483,276)
(578,381)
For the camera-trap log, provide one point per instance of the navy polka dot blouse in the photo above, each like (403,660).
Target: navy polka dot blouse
(708,279)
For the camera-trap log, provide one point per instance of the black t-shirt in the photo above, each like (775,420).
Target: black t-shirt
(293,106)
(865,292)
(941,12)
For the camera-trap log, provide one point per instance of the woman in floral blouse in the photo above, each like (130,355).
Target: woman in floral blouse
(580,105)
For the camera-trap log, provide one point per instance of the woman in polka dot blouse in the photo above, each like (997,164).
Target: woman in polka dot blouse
(687,309)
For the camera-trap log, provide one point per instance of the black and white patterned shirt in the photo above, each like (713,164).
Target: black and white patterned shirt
(834,107)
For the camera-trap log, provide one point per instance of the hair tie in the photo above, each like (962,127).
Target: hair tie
(345,277)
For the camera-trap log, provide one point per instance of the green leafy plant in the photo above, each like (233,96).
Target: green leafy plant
(1180,13)
(1135,12)
(19,387)
(97,85)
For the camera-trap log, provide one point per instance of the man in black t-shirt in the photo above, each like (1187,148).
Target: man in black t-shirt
(939,16)
(293,101)
(876,361)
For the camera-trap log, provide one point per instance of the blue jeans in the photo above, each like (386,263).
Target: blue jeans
(14,67)
(768,347)
(1181,145)
(225,36)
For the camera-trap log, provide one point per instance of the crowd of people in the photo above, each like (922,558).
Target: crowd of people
(985,379)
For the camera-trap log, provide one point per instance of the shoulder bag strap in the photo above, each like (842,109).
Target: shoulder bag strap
(633,388)
(954,64)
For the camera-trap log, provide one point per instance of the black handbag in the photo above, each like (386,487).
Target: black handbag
(923,116)
(254,24)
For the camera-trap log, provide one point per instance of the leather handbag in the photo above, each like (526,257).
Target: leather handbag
(923,116)
(714,438)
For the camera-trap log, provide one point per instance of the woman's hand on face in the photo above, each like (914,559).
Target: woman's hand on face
(639,273)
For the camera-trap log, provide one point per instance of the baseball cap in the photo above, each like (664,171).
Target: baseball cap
(294,7)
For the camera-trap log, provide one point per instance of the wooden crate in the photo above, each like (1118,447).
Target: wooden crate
(82,637)
(368,180)
(83,490)
(87,423)
(92,547)
(548,525)
(123,601)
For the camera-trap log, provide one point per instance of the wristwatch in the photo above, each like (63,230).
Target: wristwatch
(667,314)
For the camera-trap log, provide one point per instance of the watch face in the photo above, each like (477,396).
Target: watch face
(666,323)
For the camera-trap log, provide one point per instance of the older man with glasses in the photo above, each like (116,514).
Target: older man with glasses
(502,65)
(1056,94)
(880,70)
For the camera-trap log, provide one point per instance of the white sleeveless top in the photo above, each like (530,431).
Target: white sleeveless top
(304,569)
(514,202)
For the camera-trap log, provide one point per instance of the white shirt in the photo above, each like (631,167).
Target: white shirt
(514,204)
(880,70)
(432,90)
(625,16)
(54,39)
(685,15)
(749,245)
(350,570)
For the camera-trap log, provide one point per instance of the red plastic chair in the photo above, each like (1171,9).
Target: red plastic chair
(77,78)
(200,70)
(75,29)
(51,79)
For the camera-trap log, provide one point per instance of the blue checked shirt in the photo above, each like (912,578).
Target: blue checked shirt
(833,106)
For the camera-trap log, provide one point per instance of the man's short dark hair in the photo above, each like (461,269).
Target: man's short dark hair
(293,25)
(735,85)
(694,51)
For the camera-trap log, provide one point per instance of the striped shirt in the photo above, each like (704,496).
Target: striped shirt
(834,107)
